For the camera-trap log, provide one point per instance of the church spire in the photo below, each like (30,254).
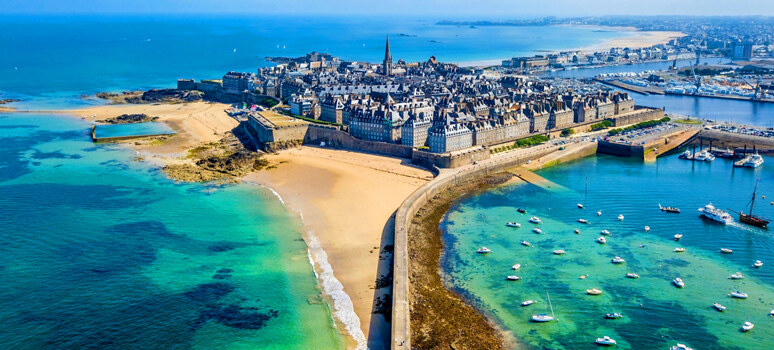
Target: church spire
(387,64)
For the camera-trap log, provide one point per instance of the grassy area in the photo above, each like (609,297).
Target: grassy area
(531,141)
(601,125)
(688,121)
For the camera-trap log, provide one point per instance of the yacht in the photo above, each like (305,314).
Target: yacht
(601,240)
(680,347)
(613,316)
(525,243)
(559,252)
(599,213)
(606,341)
(726,251)
(758,263)
(513,224)
(678,282)
(632,275)
(513,278)
(669,209)
(719,307)
(483,250)
(736,276)
(516,267)
(647,228)
(593,291)
(747,326)
(617,260)
(537,230)
(704,155)
(577,231)
(678,236)
(679,250)
(535,220)
(527,302)
(709,211)
(739,295)
(583,221)
(754,161)
(605,232)
(686,155)
(620,217)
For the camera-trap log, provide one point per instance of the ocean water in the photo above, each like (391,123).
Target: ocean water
(657,315)
(49,61)
(100,251)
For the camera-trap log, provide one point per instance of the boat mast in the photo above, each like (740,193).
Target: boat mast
(752,202)
(551,306)
(585,192)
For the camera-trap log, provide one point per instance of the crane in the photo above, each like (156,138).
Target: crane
(757,88)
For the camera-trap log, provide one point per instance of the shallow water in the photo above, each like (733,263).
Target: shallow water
(98,251)
(135,129)
(656,314)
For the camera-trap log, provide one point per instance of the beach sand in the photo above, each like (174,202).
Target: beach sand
(639,39)
(347,201)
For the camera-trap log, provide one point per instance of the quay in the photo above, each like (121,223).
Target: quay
(650,146)
(633,88)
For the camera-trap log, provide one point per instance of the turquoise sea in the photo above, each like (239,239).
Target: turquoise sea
(102,252)
(657,315)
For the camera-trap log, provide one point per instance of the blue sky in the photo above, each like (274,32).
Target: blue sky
(431,8)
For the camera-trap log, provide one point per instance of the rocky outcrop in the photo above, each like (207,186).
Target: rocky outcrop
(131,118)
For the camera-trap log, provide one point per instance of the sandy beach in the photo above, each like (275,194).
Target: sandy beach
(347,201)
(639,39)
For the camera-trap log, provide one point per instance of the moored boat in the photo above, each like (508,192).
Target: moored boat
(606,341)
(647,228)
(605,232)
(527,302)
(577,231)
(580,206)
(719,307)
(559,252)
(678,282)
(747,326)
(516,267)
(736,276)
(617,260)
(613,316)
(679,250)
(542,318)
(520,210)
(599,213)
(739,295)
(513,278)
(632,275)
(583,221)
(620,217)
(678,236)
(758,263)
(513,224)
(537,230)
(669,209)
(726,251)
(483,250)
(535,220)
(686,155)
(750,218)
(525,243)
(601,240)
(680,347)
(753,161)
(593,291)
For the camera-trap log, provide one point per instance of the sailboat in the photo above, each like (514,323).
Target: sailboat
(545,317)
(751,219)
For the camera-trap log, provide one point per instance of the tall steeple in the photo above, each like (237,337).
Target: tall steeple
(387,64)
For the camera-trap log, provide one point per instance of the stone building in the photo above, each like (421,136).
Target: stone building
(414,130)
(444,137)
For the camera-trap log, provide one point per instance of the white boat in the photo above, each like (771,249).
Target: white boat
(617,260)
(483,250)
(545,317)
(606,341)
(513,278)
(593,291)
(647,228)
(537,230)
(527,302)
(620,217)
(632,275)
(739,295)
(680,347)
(747,326)
(753,161)
(771,313)
(726,251)
(516,267)
(678,282)
(525,243)
(686,155)
(719,307)
(679,250)
(605,232)
(513,224)
(757,263)
(577,231)
(678,236)
(601,240)
(736,276)
(535,220)
(709,211)
(583,221)
(580,206)
(613,316)
(559,252)
(599,213)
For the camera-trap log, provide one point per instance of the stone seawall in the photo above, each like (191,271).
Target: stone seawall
(315,134)
(726,139)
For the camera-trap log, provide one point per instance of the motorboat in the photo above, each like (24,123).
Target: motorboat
(680,347)
(679,250)
(537,230)
(620,217)
(753,161)
(559,252)
(516,267)
(513,224)
(601,240)
(771,314)
(678,236)
(719,307)
(669,209)
(525,243)
(513,278)
(739,295)
(483,250)
(647,228)
(542,318)
(617,260)
(606,341)
(686,155)
(593,291)
(678,282)
(599,213)
(747,326)
(521,210)
(580,206)
(726,251)
(535,220)
(613,316)
(758,263)
(527,302)
(605,232)
(583,221)
(736,276)
(709,211)
(577,231)
(632,275)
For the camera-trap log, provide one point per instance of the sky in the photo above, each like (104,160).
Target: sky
(472,9)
